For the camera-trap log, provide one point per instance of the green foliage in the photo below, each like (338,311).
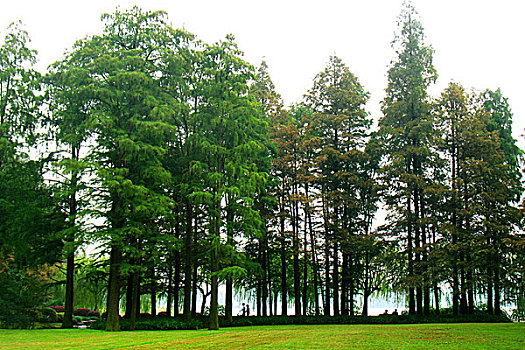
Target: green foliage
(21,293)
(166,323)
(46,315)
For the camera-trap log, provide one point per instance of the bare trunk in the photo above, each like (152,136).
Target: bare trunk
(112,321)
(188,261)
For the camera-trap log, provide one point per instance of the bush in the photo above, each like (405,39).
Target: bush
(81,312)
(58,308)
(93,314)
(46,315)
(20,294)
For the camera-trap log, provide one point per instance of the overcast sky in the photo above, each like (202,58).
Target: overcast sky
(478,43)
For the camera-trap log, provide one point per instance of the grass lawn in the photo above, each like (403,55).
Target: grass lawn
(422,336)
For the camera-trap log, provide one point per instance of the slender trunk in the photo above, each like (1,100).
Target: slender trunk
(135,300)
(214,302)
(305,266)
(411,291)
(327,279)
(366,291)
(203,302)
(136,289)
(229,282)
(326,301)
(436,297)
(169,298)
(153,294)
(455,289)
(314,265)
(335,282)
(490,288)
(295,248)
(417,253)
(470,287)
(463,301)
(188,261)
(258,291)
(194,290)
(497,290)
(70,261)
(264,287)
(269,276)
(351,285)
(284,287)
(344,285)
(177,279)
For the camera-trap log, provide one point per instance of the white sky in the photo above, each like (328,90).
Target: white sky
(478,43)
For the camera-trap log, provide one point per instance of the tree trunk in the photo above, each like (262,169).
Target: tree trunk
(344,285)
(135,300)
(327,280)
(411,291)
(366,292)
(153,294)
(188,261)
(214,302)
(229,282)
(284,287)
(351,285)
(194,290)
(129,295)
(70,278)
(436,297)
(70,269)
(335,282)
(177,279)
(490,288)
(258,291)
(169,298)
(215,236)
(314,265)
(112,321)
(497,290)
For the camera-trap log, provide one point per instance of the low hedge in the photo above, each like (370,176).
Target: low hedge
(200,322)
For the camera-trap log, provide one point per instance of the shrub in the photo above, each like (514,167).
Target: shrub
(81,311)
(58,308)
(20,294)
(93,314)
(162,314)
(46,315)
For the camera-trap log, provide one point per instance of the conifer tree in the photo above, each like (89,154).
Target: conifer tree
(406,130)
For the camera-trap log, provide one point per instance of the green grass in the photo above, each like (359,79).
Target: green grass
(421,336)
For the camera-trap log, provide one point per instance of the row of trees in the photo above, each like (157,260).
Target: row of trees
(178,159)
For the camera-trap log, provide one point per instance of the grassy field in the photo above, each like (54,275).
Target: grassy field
(425,336)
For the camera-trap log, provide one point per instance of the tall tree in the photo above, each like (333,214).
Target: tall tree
(131,130)
(341,124)
(406,130)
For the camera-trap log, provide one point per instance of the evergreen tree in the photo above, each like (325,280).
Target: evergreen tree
(406,130)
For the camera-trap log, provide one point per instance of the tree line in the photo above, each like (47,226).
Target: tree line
(178,159)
